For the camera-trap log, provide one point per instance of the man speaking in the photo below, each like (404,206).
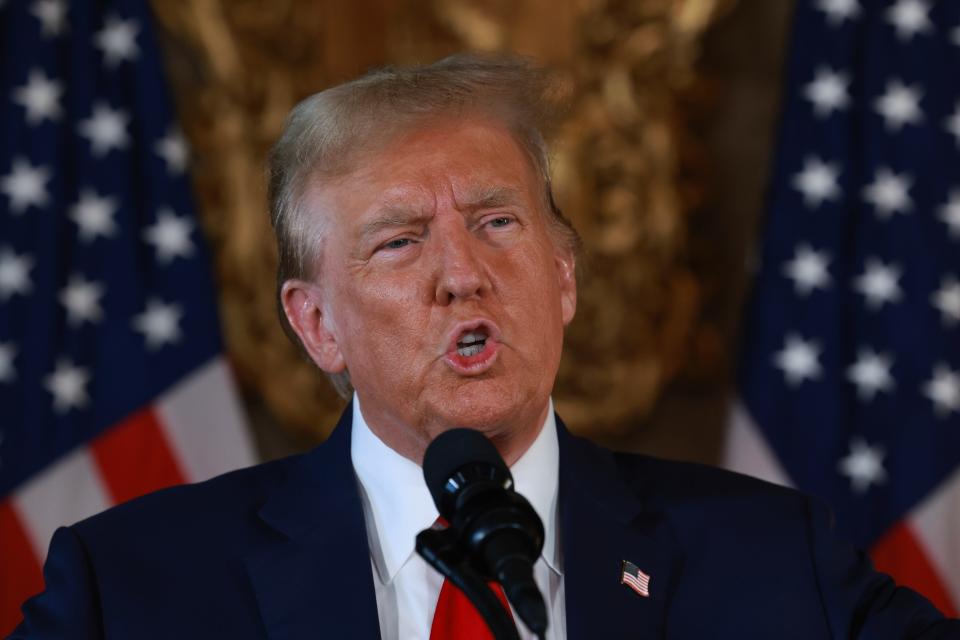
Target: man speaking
(426,269)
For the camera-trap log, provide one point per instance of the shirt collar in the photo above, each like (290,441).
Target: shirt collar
(401,506)
(536,475)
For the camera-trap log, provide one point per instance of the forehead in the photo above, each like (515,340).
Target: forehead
(466,161)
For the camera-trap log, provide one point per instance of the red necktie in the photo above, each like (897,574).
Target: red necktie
(457,618)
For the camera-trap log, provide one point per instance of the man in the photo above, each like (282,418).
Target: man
(425,268)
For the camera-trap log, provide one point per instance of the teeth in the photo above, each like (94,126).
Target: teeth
(472,343)
(470,350)
(474,336)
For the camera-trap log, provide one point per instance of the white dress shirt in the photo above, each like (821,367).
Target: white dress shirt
(397,506)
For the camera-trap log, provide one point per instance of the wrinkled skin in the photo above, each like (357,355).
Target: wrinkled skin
(444,225)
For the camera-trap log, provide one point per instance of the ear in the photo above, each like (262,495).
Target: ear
(302,305)
(567,280)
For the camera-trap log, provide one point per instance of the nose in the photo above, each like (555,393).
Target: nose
(460,269)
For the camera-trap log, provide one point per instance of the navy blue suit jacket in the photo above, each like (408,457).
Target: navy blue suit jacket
(280,551)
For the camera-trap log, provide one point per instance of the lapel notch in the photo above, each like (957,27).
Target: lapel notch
(316,581)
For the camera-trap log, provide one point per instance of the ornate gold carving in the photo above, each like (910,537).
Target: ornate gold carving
(238,66)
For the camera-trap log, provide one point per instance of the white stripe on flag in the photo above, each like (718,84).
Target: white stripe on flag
(936,522)
(640,587)
(747,451)
(206,428)
(66,492)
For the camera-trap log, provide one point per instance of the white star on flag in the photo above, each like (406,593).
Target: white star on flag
(81,297)
(25,185)
(799,360)
(174,151)
(828,92)
(808,270)
(14,273)
(68,384)
(879,284)
(899,105)
(817,182)
(106,129)
(94,215)
(159,323)
(871,374)
(40,97)
(943,390)
(952,123)
(889,193)
(839,10)
(863,465)
(52,15)
(955,36)
(170,236)
(950,214)
(118,40)
(947,300)
(909,17)
(7,353)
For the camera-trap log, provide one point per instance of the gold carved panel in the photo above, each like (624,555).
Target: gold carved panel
(626,170)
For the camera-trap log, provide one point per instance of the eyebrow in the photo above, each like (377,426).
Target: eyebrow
(483,198)
(389,217)
(492,197)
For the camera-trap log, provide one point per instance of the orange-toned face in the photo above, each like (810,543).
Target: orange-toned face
(440,288)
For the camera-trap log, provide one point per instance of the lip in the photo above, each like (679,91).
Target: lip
(478,363)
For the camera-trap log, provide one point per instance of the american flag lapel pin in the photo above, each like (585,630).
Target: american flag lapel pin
(633,577)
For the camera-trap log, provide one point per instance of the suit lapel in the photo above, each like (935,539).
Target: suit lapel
(604,521)
(316,580)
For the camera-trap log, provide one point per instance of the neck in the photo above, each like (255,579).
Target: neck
(511,439)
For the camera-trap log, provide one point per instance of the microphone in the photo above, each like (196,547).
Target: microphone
(497,529)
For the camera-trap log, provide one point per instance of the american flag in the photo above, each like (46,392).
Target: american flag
(850,372)
(633,577)
(112,382)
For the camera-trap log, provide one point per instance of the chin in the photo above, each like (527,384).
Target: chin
(491,409)
(486,417)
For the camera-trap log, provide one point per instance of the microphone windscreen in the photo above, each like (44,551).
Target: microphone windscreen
(451,450)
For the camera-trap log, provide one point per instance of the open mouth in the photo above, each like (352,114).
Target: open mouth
(473,347)
(472,342)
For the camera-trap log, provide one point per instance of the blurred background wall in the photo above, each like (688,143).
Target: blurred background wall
(661,164)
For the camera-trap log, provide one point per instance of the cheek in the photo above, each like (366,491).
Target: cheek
(535,294)
(382,323)
(539,277)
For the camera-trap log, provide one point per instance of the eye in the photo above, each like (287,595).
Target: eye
(398,243)
(500,222)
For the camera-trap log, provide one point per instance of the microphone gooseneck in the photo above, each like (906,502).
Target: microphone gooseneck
(498,532)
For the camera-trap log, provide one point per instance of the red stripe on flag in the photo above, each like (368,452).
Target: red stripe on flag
(21,576)
(900,554)
(135,458)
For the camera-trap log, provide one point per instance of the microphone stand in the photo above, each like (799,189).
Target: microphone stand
(440,549)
